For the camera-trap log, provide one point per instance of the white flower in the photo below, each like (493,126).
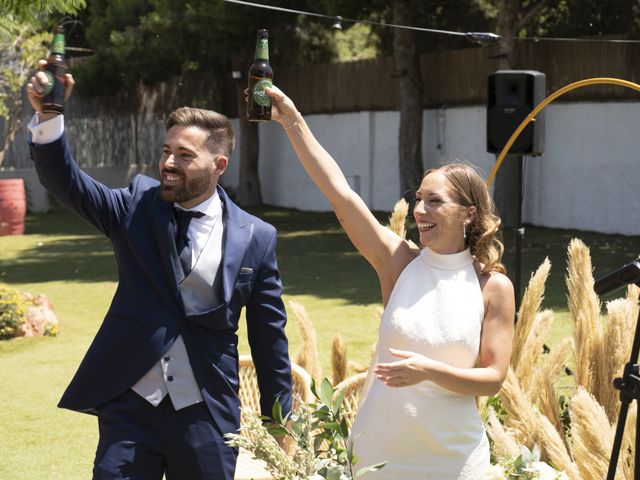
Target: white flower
(494,472)
(546,471)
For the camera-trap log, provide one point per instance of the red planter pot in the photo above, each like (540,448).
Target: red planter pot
(13,206)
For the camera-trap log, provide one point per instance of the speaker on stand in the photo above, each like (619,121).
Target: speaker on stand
(511,96)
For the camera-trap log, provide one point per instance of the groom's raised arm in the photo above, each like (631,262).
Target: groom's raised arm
(58,172)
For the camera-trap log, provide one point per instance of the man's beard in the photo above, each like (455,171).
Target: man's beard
(189,189)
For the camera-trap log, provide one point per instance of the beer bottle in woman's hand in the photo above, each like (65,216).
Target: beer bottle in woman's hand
(260,77)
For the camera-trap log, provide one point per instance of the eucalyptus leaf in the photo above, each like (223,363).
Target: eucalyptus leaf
(326,391)
(337,403)
(372,468)
(277,430)
(344,428)
(334,426)
(276,412)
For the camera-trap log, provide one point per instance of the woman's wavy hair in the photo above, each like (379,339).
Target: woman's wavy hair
(467,189)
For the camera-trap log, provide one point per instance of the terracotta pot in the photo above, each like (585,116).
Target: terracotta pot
(13,206)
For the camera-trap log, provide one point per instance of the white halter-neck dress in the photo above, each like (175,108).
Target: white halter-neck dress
(426,431)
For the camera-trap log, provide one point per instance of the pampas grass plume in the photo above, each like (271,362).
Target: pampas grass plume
(585,314)
(531,301)
(546,379)
(592,435)
(504,445)
(531,351)
(307,357)
(398,218)
(338,360)
(553,447)
(616,348)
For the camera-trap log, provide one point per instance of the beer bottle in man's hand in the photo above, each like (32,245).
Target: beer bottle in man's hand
(260,77)
(53,101)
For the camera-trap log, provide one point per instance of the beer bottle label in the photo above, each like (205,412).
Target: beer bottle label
(50,84)
(258,93)
(57,45)
(262,49)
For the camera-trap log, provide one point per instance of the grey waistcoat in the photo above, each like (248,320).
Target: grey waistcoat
(199,291)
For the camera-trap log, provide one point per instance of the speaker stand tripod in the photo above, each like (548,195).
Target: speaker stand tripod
(629,386)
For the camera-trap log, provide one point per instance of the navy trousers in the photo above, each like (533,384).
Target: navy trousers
(141,442)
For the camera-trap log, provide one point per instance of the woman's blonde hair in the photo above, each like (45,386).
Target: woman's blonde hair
(467,189)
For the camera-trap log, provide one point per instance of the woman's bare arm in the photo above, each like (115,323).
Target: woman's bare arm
(386,251)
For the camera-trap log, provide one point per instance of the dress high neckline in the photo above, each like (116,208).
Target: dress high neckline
(451,261)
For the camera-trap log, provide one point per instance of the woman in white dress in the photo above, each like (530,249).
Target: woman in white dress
(446,332)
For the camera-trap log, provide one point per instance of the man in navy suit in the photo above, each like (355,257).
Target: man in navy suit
(162,372)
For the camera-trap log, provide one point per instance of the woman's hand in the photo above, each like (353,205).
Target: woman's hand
(283,110)
(411,370)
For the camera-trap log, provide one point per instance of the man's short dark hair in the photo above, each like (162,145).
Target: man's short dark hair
(221,138)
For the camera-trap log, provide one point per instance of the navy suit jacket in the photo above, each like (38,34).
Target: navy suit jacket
(146,313)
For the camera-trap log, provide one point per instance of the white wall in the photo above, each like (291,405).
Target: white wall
(588,177)
(363,144)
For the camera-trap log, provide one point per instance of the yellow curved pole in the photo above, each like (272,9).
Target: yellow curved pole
(544,103)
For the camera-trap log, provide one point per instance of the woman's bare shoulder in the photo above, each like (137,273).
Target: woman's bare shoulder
(493,283)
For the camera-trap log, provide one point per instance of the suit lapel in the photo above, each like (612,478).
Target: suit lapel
(238,235)
(165,234)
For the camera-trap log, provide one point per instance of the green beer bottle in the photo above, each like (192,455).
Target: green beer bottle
(260,76)
(53,101)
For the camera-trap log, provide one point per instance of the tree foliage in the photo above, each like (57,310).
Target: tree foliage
(22,42)
(155,40)
(14,13)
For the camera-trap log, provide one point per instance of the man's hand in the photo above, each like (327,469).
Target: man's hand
(36,88)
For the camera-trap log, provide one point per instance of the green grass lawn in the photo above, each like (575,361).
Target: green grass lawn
(63,258)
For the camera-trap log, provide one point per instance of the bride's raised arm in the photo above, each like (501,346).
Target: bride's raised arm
(379,245)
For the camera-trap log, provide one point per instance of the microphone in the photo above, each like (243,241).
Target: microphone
(630,273)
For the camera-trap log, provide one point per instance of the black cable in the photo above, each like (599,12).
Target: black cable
(480,37)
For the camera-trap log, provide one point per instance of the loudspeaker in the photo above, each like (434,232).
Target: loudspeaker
(512,95)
